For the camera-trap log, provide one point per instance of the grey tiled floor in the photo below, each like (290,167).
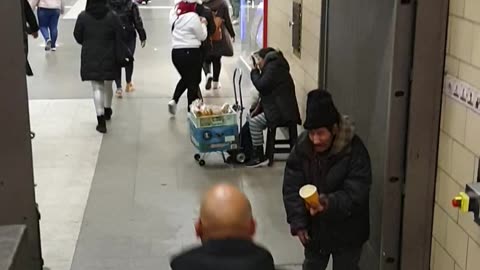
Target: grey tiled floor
(146,189)
(128,200)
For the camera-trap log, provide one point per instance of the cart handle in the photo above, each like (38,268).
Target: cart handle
(235,73)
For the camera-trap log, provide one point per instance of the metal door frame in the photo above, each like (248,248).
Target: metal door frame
(423,133)
(413,244)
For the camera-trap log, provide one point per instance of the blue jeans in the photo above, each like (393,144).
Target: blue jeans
(48,22)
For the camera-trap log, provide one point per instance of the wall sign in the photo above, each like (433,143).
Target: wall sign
(462,92)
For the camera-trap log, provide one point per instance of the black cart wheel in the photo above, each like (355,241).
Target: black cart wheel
(197,157)
(201,162)
(240,158)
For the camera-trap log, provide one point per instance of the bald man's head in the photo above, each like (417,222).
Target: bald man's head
(225,212)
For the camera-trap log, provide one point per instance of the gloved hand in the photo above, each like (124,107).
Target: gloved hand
(143,43)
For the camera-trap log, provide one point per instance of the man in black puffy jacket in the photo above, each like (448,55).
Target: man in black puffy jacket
(330,156)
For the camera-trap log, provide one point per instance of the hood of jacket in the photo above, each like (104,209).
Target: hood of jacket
(97,8)
(214,4)
(341,142)
(119,4)
(276,58)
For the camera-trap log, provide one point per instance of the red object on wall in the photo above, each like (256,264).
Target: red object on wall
(456,203)
(265,23)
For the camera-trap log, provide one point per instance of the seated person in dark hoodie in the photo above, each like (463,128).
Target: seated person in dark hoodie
(271,77)
(332,157)
(226,228)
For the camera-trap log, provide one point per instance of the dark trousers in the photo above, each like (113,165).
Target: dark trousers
(132,44)
(188,63)
(48,22)
(216,62)
(346,259)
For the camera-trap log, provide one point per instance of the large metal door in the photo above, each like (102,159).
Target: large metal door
(17,194)
(366,67)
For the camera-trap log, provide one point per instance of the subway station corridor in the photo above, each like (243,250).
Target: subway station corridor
(128,199)
(404,74)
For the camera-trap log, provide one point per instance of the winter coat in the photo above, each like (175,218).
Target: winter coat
(30,26)
(129,15)
(98,33)
(222,47)
(232,254)
(277,91)
(344,176)
(206,12)
(187,30)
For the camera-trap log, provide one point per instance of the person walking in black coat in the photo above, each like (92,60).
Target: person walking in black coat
(278,103)
(221,47)
(226,228)
(205,12)
(331,157)
(97,29)
(131,21)
(30,27)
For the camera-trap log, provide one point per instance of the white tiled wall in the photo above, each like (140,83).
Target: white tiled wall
(456,238)
(305,69)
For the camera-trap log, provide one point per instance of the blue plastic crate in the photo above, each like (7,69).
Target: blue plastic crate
(214,139)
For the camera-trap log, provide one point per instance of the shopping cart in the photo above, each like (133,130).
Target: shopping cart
(220,133)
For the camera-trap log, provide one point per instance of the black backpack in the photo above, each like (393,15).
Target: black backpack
(122,11)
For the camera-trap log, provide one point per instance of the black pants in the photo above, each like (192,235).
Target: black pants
(188,63)
(216,62)
(128,69)
(346,259)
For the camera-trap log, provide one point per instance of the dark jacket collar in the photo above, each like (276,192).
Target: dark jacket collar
(214,4)
(226,245)
(97,9)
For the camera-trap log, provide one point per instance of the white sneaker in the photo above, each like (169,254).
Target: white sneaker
(119,93)
(172,107)
(217,86)
(235,22)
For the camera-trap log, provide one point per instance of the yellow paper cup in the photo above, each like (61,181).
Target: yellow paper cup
(310,195)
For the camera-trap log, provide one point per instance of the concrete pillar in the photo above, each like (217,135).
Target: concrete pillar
(17,196)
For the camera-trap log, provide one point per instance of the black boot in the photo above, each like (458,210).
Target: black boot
(108,114)
(102,125)
(258,159)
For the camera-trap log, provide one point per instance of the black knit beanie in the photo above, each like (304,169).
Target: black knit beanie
(321,112)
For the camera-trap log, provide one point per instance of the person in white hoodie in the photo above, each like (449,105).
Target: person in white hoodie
(188,32)
(48,12)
